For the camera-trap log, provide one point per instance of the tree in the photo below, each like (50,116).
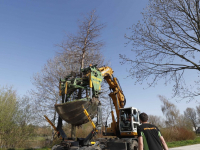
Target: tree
(46,92)
(166,45)
(156,120)
(77,51)
(185,122)
(190,114)
(198,113)
(15,119)
(85,45)
(170,112)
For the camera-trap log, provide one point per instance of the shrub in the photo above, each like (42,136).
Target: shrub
(15,126)
(177,134)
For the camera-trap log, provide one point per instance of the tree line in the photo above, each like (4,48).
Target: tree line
(172,116)
(165,45)
(174,124)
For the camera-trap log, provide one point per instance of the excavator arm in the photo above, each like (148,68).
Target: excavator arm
(117,96)
(117,93)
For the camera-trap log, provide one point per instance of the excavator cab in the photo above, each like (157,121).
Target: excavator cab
(129,121)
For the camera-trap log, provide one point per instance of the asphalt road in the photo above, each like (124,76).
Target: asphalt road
(189,147)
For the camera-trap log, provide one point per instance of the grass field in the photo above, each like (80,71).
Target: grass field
(183,143)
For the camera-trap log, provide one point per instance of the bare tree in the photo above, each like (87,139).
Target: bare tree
(46,92)
(191,115)
(184,122)
(170,112)
(156,120)
(76,52)
(198,113)
(85,45)
(166,45)
(174,119)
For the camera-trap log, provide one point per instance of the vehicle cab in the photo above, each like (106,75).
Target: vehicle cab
(129,121)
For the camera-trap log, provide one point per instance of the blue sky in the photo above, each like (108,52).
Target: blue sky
(30,29)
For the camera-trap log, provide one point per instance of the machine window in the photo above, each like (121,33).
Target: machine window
(125,123)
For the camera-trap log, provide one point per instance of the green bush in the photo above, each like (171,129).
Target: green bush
(14,127)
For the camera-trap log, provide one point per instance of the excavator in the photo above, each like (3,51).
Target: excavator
(80,107)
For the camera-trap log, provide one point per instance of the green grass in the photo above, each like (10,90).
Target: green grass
(183,143)
(45,148)
(38,138)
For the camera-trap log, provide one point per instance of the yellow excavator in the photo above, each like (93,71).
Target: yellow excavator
(123,129)
(127,118)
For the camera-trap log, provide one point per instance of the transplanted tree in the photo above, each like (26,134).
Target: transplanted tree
(83,48)
(166,45)
(76,51)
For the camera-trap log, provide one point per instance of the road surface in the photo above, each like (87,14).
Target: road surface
(189,147)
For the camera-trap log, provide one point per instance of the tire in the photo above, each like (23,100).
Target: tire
(90,148)
(133,145)
(57,147)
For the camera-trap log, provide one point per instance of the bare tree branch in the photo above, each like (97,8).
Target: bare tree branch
(166,44)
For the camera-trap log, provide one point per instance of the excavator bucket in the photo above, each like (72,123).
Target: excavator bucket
(72,111)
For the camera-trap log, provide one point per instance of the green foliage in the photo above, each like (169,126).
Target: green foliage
(183,142)
(14,127)
(44,148)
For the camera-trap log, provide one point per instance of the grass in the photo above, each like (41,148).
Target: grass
(38,138)
(169,144)
(45,148)
(183,143)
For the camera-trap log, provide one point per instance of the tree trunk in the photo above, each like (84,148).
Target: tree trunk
(73,131)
